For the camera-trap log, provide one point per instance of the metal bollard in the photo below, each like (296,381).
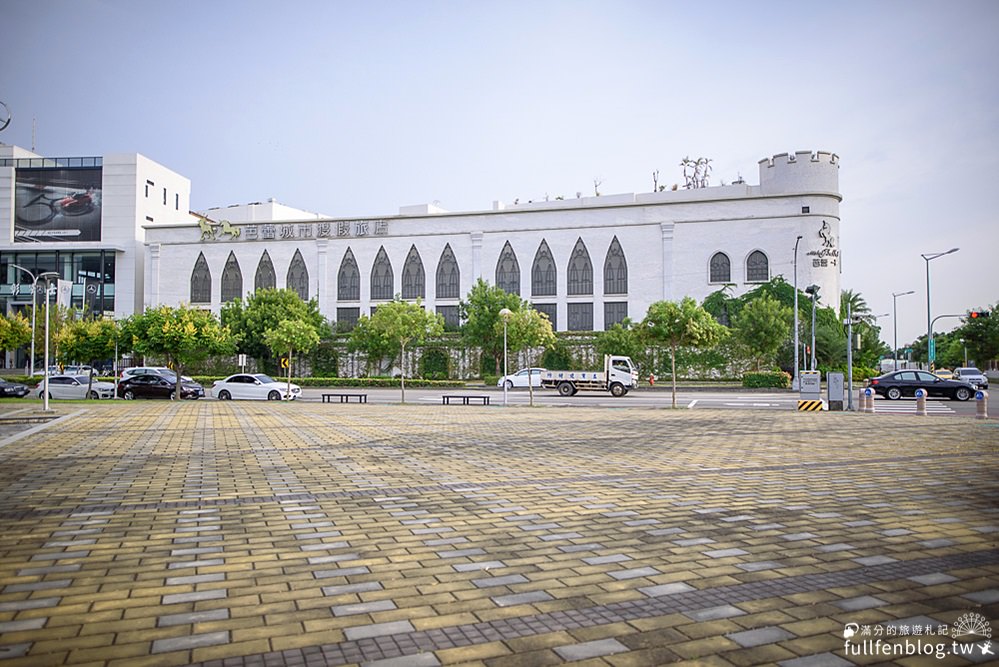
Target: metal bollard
(921,402)
(982,398)
(870,400)
(861,401)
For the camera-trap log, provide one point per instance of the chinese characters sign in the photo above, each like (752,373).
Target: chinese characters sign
(299,231)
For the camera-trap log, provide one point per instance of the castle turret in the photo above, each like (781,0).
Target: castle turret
(800,172)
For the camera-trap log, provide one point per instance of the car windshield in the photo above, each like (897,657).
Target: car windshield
(82,379)
(264,378)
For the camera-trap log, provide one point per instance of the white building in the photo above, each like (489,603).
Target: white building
(85,219)
(587,262)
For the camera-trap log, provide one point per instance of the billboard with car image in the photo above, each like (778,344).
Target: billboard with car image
(57,205)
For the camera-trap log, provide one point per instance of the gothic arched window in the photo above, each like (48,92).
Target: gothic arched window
(757,268)
(298,276)
(381,276)
(232,279)
(448,275)
(580,276)
(201,281)
(721,269)
(413,276)
(543,272)
(508,271)
(348,280)
(265,277)
(615,270)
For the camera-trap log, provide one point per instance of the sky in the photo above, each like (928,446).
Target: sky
(358,108)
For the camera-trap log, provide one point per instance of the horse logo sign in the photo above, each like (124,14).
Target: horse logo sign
(212,231)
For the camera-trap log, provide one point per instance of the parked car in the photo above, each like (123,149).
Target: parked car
(79,370)
(972,376)
(154,385)
(253,386)
(944,374)
(9,389)
(519,379)
(75,386)
(895,385)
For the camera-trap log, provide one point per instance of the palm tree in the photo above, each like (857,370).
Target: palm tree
(858,305)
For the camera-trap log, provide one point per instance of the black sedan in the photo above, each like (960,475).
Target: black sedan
(13,389)
(152,385)
(905,383)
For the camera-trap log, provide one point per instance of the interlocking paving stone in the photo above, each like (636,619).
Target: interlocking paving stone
(521,598)
(592,649)
(858,603)
(190,641)
(272,485)
(759,636)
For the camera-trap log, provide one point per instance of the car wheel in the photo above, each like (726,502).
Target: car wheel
(274,396)
(893,393)
(617,390)
(225,395)
(128,395)
(566,389)
(94,396)
(962,394)
(509,384)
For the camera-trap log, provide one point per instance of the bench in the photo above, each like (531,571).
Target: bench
(466,399)
(345,397)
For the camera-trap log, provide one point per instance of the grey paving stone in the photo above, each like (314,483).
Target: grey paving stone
(933,579)
(768,526)
(520,598)
(61,555)
(760,636)
(666,589)
(195,579)
(415,660)
(603,560)
(593,649)
(192,617)
(693,542)
(758,566)
(344,589)
(14,650)
(896,532)
(635,573)
(37,603)
(362,608)
(714,613)
(37,586)
(27,624)
(500,581)
(190,641)
(197,596)
(797,537)
(724,553)
(552,537)
(660,532)
(195,563)
(472,567)
(359,632)
(875,560)
(861,602)
(592,546)
(936,544)
(341,572)
(983,597)
(817,660)
(458,553)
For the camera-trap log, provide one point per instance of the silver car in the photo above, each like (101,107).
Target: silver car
(75,386)
(972,376)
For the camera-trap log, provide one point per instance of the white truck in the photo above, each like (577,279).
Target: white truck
(618,376)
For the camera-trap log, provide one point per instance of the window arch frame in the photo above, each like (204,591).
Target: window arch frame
(510,275)
(382,277)
(448,284)
(232,279)
(265,276)
(715,278)
(298,283)
(414,277)
(544,272)
(348,286)
(749,267)
(615,274)
(201,281)
(579,271)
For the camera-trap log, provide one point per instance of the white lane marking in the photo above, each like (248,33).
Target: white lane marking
(692,403)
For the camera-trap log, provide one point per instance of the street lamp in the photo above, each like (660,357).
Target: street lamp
(894,326)
(965,344)
(795,383)
(505,314)
(34,307)
(931,351)
(813,290)
(47,276)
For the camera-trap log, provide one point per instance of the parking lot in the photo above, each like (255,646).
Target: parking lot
(262,533)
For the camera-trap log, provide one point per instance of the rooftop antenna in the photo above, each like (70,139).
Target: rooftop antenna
(34,126)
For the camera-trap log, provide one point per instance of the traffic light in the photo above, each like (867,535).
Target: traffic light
(977,314)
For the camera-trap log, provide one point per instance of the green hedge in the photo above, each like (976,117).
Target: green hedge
(207,380)
(766,379)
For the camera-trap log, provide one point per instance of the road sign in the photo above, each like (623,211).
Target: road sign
(933,350)
(284,362)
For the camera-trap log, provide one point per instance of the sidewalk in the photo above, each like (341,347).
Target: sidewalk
(216,533)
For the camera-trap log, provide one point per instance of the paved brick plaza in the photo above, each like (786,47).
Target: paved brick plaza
(154,533)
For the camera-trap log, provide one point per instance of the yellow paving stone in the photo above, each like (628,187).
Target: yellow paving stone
(106,651)
(699,648)
(237,648)
(534,642)
(468,655)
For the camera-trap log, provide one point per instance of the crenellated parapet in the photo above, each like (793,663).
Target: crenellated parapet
(801,171)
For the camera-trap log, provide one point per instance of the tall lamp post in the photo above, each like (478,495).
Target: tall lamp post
(795,382)
(34,307)
(894,326)
(813,290)
(505,314)
(931,351)
(965,344)
(47,276)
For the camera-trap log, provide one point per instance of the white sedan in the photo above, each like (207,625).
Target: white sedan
(519,379)
(75,386)
(254,386)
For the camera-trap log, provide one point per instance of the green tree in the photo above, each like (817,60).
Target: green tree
(15,331)
(396,325)
(479,315)
(88,341)
(181,336)
(250,318)
(981,334)
(527,329)
(762,327)
(671,324)
(288,336)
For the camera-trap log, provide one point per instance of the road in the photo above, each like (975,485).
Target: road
(731,399)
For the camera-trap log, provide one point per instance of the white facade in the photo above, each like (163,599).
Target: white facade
(135,193)
(668,240)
